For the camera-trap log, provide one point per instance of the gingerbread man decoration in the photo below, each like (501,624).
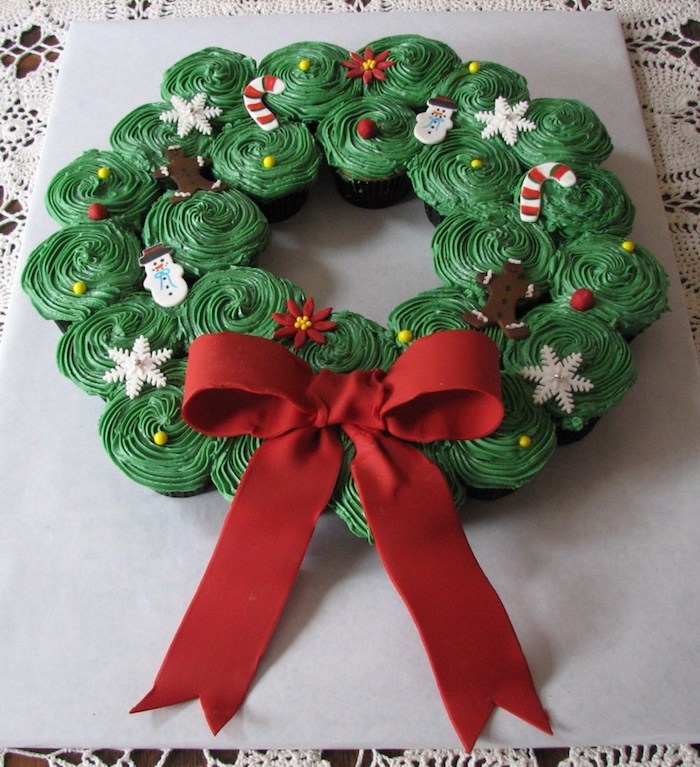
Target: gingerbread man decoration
(505,290)
(187,173)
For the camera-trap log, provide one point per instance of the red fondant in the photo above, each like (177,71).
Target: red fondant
(445,386)
(97,212)
(582,300)
(367,128)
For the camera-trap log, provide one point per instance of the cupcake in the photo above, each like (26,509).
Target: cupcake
(368,142)
(275,168)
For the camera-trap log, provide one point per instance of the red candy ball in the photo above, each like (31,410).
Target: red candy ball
(582,300)
(367,128)
(97,212)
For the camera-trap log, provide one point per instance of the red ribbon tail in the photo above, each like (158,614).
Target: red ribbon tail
(475,655)
(226,629)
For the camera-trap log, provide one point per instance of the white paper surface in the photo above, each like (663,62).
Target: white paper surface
(596,561)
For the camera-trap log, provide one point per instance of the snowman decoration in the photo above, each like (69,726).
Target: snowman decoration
(163,276)
(432,125)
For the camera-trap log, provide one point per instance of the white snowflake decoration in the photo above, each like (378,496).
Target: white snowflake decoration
(557,379)
(138,366)
(505,120)
(191,114)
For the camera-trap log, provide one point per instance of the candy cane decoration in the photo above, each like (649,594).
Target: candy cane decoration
(531,189)
(252,98)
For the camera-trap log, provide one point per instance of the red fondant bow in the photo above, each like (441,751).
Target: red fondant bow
(445,386)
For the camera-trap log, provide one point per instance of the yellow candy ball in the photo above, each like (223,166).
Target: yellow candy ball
(628,245)
(476,163)
(160,438)
(474,67)
(79,288)
(269,161)
(404,336)
(103,173)
(525,440)
(305,65)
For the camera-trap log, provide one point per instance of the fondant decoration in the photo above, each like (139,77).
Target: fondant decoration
(161,438)
(531,188)
(473,67)
(138,366)
(304,65)
(557,379)
(303,324)
(368,66)
(505,120)
(79,288)
(187,173)
(476,163)
(367,128)
(253,100)
(404,336)
(97,211)
(432,125)
(103,173)
(269,161)
(524,441)
(628,245)
(582,300)
(444,386)
(164,278)
(505,290)
(190,115)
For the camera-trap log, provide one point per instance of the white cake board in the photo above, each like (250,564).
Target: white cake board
(596,561)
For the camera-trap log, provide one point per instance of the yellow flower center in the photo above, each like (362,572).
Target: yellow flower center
(303,323)
(369,64)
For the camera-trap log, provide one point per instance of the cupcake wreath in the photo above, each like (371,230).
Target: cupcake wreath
(216,371)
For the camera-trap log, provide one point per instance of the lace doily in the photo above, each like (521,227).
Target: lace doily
(663,41)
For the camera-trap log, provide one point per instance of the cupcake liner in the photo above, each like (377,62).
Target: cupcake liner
(434,216)
(569,437)
(282,208)
(366,193)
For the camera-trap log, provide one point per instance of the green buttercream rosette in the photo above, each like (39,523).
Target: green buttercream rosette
(566,131)
(629,287)
(314,80)
(231,461)
(466,244)
(123,189)
(432,310)
(82,351)
(462,171)
(420,63)
(240,299)
(218,73)
(81,268)
(576,366)
(209,230)
(127,427)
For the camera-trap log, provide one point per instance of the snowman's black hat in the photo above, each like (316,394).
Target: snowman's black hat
(442,101)
(150,254)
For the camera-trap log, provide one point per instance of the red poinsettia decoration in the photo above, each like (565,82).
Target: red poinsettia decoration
(368,66)
(303,324)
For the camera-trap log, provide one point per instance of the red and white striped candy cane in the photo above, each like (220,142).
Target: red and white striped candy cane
(531,189)
(253,99)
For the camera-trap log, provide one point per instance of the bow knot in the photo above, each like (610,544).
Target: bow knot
(348,398)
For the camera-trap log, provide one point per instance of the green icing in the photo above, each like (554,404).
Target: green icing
(382,156)
(606,360)
(420,63)
(127,426)
(240,299)
(467,244)
(208,231)
(477,91)
(82,351)
(239,150)
(432,310)
(567,131)
(126,192)
(309,93)
(629,288)
(444,177)
(100,254)
(501,460)
(231,461)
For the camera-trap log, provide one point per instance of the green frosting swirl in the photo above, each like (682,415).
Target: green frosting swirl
(596,203)
(126,192)
(606,360)
(357,343)
(241,299)
(502,460)
(127,426)
(208,231)
(629,288)
(567,131)
(239,150)
(218,73)
(82,351)
(100,254)
(477,91)
(231,461)
(443,175)
(467,244)
(382,156)
(420,63)
(142,137)
(309,93)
